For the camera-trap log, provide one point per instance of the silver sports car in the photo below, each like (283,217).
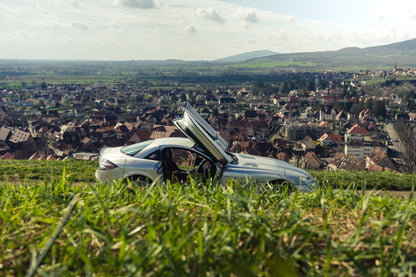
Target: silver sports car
(203,153)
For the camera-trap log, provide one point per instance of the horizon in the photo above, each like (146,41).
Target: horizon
(158,30)
(181,60)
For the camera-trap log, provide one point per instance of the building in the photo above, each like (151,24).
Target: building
(378,160)
(344,162)
(356,133)
(361,149)
(307,144)
(297,131)
(327,113)
(330,140)
(312,161)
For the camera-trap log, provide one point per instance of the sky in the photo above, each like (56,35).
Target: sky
(196,29)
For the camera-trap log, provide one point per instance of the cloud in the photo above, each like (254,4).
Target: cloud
(210,14)
(191,29)
(247,15)
(79,26)
(139,4)
(75,4)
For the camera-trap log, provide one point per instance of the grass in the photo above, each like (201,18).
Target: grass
(366,180)
(29,171)
(55,228)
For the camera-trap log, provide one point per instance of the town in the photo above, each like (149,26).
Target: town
(314,121)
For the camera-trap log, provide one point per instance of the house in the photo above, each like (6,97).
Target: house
(330,139)
(412,117)
(19,136)
(312,161)
(36,156)
(356,133)
(345,162)
(4,134)
(85,156)
(140,135)
(342,116)
(327,113)
(162,131)
(7,156)
(365,115)
(307,144)
(297,131)
(378,160)
(361,149)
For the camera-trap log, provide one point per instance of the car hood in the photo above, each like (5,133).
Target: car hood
(262,162)
(198,130)
(255,165)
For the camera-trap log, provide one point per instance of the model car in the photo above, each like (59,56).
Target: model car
(202,152)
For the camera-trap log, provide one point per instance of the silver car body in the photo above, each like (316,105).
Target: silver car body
(119,163)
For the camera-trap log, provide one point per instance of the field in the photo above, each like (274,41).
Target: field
(61,222)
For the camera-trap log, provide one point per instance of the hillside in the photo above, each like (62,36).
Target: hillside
(246,56)
(401,53)
(258,62)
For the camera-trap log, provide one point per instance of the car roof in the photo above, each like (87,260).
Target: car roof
(166,142)
(173,141)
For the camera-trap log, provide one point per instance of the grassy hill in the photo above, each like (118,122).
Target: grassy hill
(246,56)
(379,57)
(55,228)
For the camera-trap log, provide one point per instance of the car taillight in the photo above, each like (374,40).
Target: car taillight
(105,164)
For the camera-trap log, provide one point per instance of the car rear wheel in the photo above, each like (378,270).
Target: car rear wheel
(137,180)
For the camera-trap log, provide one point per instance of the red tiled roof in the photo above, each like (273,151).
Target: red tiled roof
(342,161)
(358,130)
(8,156)
(335,138)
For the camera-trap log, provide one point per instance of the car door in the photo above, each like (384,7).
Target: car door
(198,130)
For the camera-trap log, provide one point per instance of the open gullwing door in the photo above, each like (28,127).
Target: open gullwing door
(197,129)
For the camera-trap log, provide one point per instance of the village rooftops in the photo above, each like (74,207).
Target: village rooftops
(357,130)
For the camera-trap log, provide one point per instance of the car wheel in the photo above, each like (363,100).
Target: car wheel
(138,181)
(282,186)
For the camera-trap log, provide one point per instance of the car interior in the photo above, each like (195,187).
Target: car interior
(179,163)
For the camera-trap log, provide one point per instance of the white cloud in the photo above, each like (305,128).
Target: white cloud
(79,26)
(139,4)
(75,4)
(210,14)
(191,29)
(247,15)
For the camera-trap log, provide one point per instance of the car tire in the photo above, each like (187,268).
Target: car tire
(138,181)
(282,186)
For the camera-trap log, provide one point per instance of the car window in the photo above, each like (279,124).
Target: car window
(133,149)
(154,156)
(179,163)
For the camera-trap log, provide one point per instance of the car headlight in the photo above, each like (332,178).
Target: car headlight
(105,164)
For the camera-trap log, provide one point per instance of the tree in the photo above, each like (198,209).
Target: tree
(379,109)
(408,140)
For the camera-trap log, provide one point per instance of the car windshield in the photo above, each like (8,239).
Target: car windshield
(133,149)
